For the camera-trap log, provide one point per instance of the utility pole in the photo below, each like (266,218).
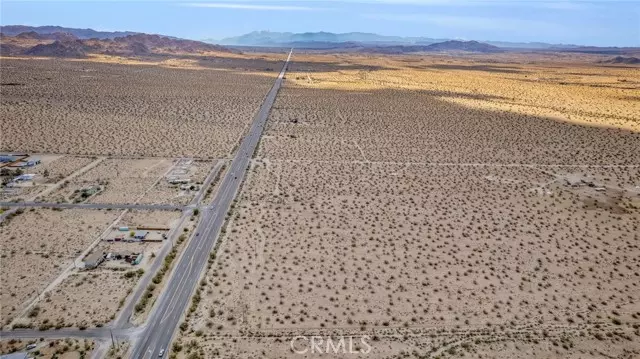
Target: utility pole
(113,344)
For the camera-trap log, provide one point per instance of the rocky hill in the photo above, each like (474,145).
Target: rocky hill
(61,44)
(60,36)
(74,48)
(622,60)
(168,44)
(13,30)
(455,45)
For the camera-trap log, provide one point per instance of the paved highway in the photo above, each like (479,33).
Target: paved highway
(171,305)
(122,321)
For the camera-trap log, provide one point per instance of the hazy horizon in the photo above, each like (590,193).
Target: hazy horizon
(597,23)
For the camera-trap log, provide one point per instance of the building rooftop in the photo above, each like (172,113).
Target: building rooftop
(19,355)
(93,257)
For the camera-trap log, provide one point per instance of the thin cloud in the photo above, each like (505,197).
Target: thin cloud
(467,22)
(260,7)
(545,4)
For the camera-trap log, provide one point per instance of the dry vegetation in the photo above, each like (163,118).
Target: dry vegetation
(84,299)
(121,180)
(51,348)
(59,167)
(164,192)
(139,218)
(418,126)
(91,107)
(415,205)
(570,87)
(54,168)
(37,246)
(357,245)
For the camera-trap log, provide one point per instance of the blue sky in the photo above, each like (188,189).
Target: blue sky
(598,22)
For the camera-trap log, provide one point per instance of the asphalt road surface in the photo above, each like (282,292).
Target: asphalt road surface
(168,310)
(122,320)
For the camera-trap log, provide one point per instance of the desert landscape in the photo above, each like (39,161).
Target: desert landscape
(440,203)
(37,246)
(437,207)
(85,107)
(49,349)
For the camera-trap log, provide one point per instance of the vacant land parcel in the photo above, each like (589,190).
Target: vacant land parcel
(37,246)
(458,114)
(114,180)
(90,107)
(433,226)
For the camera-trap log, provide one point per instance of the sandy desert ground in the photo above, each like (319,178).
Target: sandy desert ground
(166,193)
(570,87)
(389,125)
(139,218)
(444,210)
(90,107)
(84,299)
(52,169)
(400,246)
(122,180)
(49,349)
(93,298)
(440,206)
(38,245)
(57,167)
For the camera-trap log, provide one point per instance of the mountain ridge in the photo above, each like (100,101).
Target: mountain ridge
(13,30)
(66,45)
(269,38)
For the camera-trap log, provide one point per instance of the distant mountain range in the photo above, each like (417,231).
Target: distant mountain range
(71,42)
(13,30)
(445,46)
(65,44)
(268,38)
(321,39)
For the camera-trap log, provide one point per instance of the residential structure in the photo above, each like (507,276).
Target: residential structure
(93,260)
(19,355)
(140,235)
(8,158)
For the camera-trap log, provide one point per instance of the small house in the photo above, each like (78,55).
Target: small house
(93,260)
(33,162)
(24,178)
(140,235)
(573,181)
(132,258)
(179,181)
(8,158)
(137,260)
(17,355)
